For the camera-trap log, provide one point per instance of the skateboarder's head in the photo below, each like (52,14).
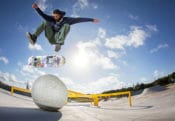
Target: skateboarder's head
(57,14)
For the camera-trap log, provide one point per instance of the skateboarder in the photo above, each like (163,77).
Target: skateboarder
(56,27)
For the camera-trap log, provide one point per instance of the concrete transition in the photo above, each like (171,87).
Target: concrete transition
(49,93)
(153,89)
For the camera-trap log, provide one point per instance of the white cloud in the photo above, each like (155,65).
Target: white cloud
(100,85)
(28,69)
(80,5)
(116,42)
(160,46)
(157,74)
(143,80)
(91,50)
(11,80)
(135,38)
(88,54)
(111,54)
(83,3)
(116,54)
(4,60)
(73,85)
(31,70)
(42,4)
(67,81)
(101,36)
(35,47)
(104,84)
(152,28)
(28,72)
(101,33)
(133,17)
(123,62)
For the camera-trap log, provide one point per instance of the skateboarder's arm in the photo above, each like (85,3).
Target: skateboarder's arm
(43,15)
(71,21)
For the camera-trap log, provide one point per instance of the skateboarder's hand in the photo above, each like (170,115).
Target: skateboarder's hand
(96,21)
(34,5)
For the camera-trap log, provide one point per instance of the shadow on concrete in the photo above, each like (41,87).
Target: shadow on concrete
(141,107)
(27,114)
(138,107)
(78,105)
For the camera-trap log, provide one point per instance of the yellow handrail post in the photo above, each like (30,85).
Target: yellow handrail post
(95,100)
(12,90)
(130,100)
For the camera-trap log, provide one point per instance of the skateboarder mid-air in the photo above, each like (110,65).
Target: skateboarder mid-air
(56,27)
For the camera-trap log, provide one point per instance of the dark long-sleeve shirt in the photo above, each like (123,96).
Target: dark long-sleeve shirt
(56,25)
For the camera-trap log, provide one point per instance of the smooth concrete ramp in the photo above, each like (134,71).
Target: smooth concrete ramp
(153,107)
(153,90)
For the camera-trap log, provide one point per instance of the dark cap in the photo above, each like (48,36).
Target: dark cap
(57,11)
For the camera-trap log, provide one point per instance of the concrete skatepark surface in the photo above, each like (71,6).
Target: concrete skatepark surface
(156,104)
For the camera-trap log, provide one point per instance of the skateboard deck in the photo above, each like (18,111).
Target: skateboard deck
(46,61)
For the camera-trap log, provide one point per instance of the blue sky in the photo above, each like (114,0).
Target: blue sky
(133,43)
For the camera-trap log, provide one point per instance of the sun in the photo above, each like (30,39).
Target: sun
(81,60)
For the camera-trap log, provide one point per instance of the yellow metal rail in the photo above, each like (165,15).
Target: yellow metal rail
(13,88)
(73,94)
(96,96)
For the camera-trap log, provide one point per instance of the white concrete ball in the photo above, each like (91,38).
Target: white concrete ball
(49,92)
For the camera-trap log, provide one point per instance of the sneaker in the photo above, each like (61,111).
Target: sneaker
(57,47)
(31,37)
